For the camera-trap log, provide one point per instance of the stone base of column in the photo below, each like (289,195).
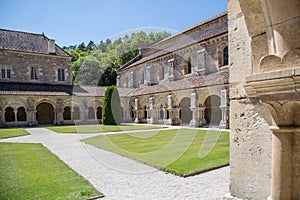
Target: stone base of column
(173,122)
(153,121)
(223,125)
(194,123)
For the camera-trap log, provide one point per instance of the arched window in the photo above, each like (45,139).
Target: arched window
(9,115)
(225,56)
(188,65)
(21,114)
(91,113)
(99,113)
(67,113)
(142,77)
(168,114)
(76,113)
(161,72)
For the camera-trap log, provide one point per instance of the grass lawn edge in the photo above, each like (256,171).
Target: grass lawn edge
(164,169)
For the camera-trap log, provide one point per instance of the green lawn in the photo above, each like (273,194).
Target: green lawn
(30,171)
(98,128)
(175,151)
(12,132)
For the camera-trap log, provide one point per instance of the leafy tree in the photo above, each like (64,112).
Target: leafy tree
(104,59)
(90,46)
(111,113)
(89,72)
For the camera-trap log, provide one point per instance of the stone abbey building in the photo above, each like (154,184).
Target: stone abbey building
(182,79)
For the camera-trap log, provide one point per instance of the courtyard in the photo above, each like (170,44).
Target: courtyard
(119,177)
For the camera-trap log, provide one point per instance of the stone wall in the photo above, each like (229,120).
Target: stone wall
(21,63)
(264,98)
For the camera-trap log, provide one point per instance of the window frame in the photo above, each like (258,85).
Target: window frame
(34,73)
(7,72)
(61,75)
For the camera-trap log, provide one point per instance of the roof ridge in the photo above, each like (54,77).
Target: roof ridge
(187,29)
(29,33)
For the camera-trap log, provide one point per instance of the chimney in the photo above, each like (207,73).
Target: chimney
(51,46)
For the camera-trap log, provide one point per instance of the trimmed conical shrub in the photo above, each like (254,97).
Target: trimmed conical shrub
(111,113)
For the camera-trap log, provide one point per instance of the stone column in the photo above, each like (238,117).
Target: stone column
(154,112)
(136,111)
(84,115)
(195,116)
(282,162)
(59,112)
(202,120)
(201,61)
(31,112)
(224,108)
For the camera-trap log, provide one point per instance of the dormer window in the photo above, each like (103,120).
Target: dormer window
(61,74)
(34,73)
(6,72)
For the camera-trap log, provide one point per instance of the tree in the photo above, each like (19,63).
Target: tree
(111,113)
(89,72)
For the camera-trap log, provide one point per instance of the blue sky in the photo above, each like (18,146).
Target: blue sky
(75,21)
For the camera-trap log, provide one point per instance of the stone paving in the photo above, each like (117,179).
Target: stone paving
(122,178)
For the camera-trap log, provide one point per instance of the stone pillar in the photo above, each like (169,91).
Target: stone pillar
(202,120)
(84,115)
(195,116)
(136,111)
(154,112)
(282,163)
(31,112)
(1,114)
(59,112)
(224,108)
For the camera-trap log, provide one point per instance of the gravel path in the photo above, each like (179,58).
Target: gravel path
(122,178)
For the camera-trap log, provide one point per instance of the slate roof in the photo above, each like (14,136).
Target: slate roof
(218,78)
(9,88)
(217,25)
(27,42)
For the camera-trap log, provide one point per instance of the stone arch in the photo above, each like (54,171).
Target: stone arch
(21,114)
(213,113)
(9,115)
(185,113)
(45,113)
(223,54)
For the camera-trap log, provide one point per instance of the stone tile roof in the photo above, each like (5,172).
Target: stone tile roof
(27,42)
(218,78)
(7,88)
(210,28)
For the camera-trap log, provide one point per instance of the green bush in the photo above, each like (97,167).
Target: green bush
(111,113)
